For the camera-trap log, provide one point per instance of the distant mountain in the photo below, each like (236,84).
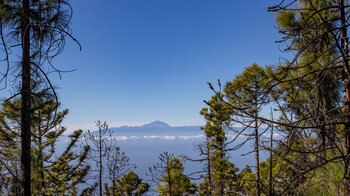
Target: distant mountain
(156,128)
(156,124)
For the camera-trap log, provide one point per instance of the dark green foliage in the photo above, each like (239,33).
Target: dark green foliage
(247,93)
(174,181)
(311,90)
(287,168)
(129,185)
(49,25)
(285,19)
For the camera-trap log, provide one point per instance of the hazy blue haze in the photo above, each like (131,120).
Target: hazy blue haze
(143,144)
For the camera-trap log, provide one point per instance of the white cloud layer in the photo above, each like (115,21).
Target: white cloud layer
(171,137)
(159,137)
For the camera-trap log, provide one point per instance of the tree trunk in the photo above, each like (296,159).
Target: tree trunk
(257,160)
(100,154)
(222,192)
(209,168)
(271,147)
(257,147)
(26,116)
(169,180)
(344,43)
(41,170)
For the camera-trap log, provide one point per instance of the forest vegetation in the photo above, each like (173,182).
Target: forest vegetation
(298,111)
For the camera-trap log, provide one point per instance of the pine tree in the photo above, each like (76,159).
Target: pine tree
(118,166)
(101,145)
(313,82)
(168,176)
(246,95)
(130,185)
(52,172)
(39,28)
(220,172)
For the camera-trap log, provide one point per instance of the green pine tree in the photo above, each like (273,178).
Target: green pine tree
(53,173)
(37,29)
(168,177)
(174,182)
(220,174)
(128,185)
(247,94)
(312,85)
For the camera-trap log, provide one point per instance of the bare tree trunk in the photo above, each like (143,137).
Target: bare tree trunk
(257,177)
(257,149)
(100,169)
(26,116)
(344,43)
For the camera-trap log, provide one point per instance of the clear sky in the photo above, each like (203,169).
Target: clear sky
(146,60)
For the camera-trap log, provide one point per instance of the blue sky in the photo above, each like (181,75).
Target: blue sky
(146,60)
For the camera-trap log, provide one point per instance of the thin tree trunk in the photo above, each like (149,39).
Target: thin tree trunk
(271,147)
(209,168)
(41,163)
(257,160)
(114,188)
(222,173)
(257,149)
(344,43)
(169,180)
(26,116)
(100,153)
(113,182)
